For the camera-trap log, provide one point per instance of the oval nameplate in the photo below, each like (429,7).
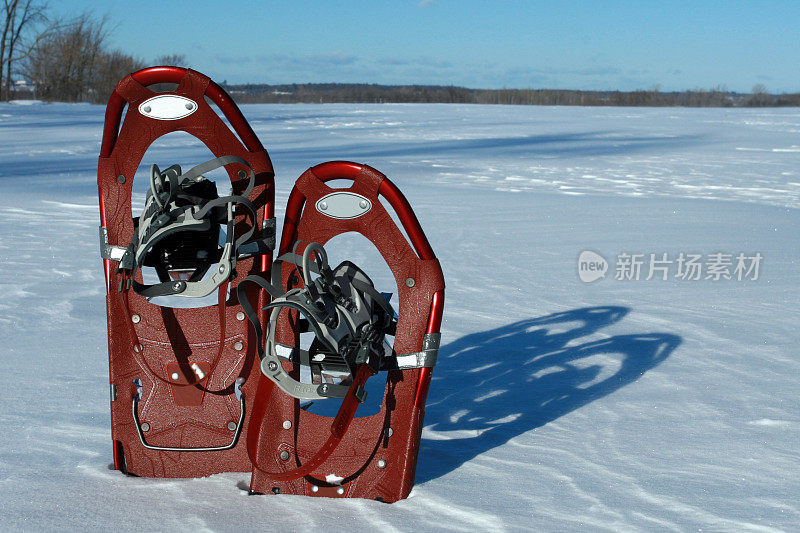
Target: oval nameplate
(167,107)
(343,205)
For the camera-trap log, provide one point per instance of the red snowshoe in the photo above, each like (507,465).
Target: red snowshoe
(183,380)
(293,450)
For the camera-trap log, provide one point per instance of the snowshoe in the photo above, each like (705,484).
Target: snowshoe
(295,451)
(182,379)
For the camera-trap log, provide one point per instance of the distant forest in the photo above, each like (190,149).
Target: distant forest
(370,93)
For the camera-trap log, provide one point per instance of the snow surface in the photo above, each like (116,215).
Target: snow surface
(556,405)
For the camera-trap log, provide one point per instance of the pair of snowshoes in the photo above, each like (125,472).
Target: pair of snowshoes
(226,386)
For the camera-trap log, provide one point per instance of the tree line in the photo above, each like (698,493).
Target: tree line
(371,93)
(71,61)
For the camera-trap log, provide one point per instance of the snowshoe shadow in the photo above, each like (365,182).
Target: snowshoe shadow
(494,385)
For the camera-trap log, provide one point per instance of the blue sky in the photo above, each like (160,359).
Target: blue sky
(484,44)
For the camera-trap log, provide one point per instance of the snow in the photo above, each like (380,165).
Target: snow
(26,102)
(556,404)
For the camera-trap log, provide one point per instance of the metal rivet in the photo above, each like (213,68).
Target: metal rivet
(189,106)
(323,205)
(240,316)
(242,174)
(340,490)
(177,286)
(238,346)
(362,204)
(146,109)
(314,488)
(222,268)
(389,432)
(136,319)
(410,282)
(175,376)
(145,426)
(232,425)
(284,455)
(121,178)
(324,388)
(381,463)
(287,424)
(272,366)
(137,348)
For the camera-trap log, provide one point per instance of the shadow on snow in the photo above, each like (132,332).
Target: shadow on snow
(494,385)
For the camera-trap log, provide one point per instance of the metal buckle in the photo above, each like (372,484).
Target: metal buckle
(423,359)
(110,251)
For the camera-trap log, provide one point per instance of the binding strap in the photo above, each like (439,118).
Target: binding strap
(339,427)
(164,217)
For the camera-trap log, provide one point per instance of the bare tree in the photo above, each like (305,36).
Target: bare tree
(110,67)
(20,16)
(760,96)
(172,60)
(60,65)
(73,64)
